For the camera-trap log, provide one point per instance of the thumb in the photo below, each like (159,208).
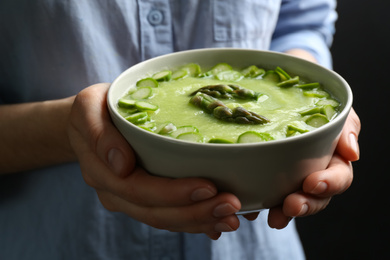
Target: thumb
(91,119)
(348,146)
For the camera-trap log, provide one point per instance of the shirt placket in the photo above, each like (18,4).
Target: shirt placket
(155,28)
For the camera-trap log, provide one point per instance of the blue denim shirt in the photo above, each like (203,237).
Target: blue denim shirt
(52,49)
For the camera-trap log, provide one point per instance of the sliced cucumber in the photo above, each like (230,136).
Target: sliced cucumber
(254,137)
(164,75)
(138,118)
(185,129)
(317,120)
(178,74)
(165,128)
(142,93)
(126,103)
(147,82)
(229,75)
(191,137)
(252,71)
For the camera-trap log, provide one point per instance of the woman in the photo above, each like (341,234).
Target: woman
(51,137)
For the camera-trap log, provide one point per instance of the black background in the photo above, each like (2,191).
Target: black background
(356,224)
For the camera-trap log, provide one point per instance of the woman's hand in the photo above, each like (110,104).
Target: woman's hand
(319,187)
(108,164)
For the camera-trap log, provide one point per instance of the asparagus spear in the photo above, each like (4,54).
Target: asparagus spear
(228,91)
(219,110)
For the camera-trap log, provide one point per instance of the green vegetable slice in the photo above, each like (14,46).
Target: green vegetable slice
(126,103)
(220,67)
(149,126)
(282,74)
(316,93)
(317,120)
(165,128)
(138,118)
(310,111)
(164,75)
(297,127)
(147,82)
(328,111)
(145,106)
(220,141)
(252,71)
(193,69)
(185,129)
(289,82)
(192,137)
(127,111)
(309,86)
(271,75)
(328,101)
(142,93)
(229,75)
(254,137)
(178,74)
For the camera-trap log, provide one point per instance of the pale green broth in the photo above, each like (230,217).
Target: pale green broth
(280,105)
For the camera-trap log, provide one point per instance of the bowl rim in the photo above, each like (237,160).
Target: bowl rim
(340,117)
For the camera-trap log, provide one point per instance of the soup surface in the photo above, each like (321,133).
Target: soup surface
(164,103)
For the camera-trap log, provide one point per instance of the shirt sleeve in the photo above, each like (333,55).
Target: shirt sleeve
(308,25)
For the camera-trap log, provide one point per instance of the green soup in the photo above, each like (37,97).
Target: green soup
(289,106)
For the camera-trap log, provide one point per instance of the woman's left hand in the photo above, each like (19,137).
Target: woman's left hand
(319,187)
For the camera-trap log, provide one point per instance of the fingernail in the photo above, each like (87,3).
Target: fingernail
(222,227)
(354,144)
(116,160)
(224,210)
(320,188)
(202,194)
(303,210)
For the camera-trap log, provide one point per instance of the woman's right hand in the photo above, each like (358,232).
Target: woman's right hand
(108,164)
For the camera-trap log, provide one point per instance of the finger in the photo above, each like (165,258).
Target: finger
(334,180)
(214,235)
(197,218)
(143,189)
(90,119)
(148,190)
(140,187)
(251,216)
(348,146)
(277,219)
(301,204)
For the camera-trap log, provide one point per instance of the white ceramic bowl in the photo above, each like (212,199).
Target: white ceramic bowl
(259,174)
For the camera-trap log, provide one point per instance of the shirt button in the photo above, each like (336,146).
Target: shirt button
(155,17)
